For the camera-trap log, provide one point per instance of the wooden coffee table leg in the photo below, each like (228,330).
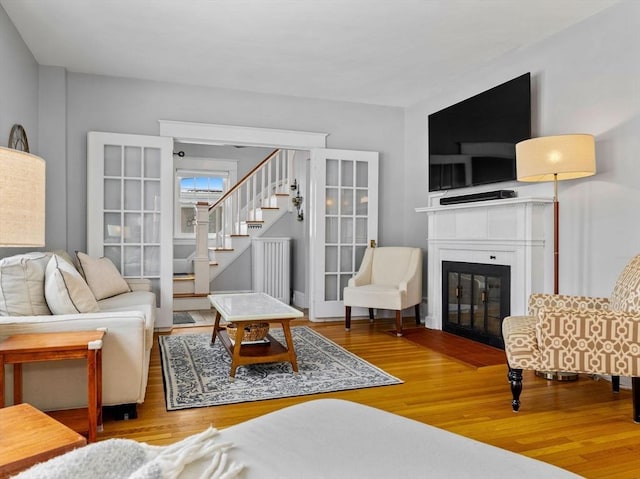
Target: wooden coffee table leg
(216,327)
(289,341)
(235,357)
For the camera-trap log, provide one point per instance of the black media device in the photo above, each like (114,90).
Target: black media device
(485,196)
(473,142)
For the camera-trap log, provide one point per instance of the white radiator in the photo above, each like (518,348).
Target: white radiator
(271,267)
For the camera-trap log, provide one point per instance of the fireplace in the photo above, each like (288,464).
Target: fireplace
(476,298)
(515,233)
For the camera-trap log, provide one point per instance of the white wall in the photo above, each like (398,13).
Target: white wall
(584,80)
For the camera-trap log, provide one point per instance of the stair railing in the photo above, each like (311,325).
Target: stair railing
(240,208)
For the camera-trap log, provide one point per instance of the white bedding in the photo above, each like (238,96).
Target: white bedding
(330,438)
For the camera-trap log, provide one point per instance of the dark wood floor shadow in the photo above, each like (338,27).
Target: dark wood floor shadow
(461,349)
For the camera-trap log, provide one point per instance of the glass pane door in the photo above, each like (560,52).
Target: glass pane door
(345,218)
(129,209)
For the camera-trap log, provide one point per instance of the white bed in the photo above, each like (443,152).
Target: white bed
(330,438)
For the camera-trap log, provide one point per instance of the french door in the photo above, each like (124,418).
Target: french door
(129,209)
(344,185)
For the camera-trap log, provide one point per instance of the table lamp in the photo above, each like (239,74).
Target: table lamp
(22,198)
(556,158)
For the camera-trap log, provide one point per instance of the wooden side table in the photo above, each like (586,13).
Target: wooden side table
(26,348)
(29,436)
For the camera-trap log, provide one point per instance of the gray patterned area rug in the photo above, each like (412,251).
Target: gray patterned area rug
(196,373)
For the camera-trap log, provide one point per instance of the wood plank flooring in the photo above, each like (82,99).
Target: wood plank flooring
(581,426)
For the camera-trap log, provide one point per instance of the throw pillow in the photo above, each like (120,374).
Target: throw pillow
(65,290)
(22,285)
(102,276)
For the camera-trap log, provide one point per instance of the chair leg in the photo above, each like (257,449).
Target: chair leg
(635,394)
(371,315)
(399,322)
(347,318)
(417,308)
(515,379)
(615,383)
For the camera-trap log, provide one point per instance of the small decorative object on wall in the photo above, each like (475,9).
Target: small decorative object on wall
(297,200)
(18,138)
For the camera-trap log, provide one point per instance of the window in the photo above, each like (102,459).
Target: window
(193,187)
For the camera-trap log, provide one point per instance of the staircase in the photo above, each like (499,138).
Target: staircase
(246,211)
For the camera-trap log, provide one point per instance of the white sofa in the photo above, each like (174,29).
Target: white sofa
(129,319)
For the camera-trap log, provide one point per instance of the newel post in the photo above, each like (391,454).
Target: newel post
(201,260)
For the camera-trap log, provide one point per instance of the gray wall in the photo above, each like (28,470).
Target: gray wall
(18,85)
(18,92)
(132,106)
(585,80)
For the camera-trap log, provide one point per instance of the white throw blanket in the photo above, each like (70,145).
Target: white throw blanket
(125,458)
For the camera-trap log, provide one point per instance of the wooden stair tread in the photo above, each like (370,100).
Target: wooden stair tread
(213,248)
(254,221)
(190,295)
(282,194)
(184,277)
(213,263)
(240,236)
(269,208)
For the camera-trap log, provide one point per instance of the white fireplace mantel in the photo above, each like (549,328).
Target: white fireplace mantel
(517,232)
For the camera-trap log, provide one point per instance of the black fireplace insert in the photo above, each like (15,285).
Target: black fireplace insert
(476,297)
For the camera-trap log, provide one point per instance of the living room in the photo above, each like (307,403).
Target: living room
(584,80)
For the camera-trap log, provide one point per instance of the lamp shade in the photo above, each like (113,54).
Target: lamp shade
(22,198)
(567,156)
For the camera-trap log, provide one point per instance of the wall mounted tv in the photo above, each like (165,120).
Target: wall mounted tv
(473,142)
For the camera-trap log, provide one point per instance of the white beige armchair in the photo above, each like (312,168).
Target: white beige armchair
(389,278)
(579,334)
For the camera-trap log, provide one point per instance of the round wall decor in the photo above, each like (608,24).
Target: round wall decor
(18,139)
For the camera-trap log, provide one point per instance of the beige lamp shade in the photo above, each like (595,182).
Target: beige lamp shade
(567,156)
(22,198)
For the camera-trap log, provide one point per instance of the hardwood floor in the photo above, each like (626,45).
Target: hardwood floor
(581,426)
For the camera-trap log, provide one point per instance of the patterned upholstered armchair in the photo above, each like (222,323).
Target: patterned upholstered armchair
(579,334)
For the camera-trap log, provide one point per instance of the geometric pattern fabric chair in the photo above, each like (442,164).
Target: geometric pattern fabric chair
(389,277)
(579,334)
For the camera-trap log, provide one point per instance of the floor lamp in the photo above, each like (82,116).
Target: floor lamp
(22,199)
(556,158)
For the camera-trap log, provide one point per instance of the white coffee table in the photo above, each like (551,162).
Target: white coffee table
(254,308)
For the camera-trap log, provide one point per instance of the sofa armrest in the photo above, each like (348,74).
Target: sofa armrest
(139,284)
(589,341)
(125,354)
(538,301)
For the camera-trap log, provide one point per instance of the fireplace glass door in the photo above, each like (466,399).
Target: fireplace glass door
(476,298)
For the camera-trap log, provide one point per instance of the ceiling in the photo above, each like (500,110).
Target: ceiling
(386,52)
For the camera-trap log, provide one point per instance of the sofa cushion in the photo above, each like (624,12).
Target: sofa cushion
(102,276)
(22,285)
(65,290)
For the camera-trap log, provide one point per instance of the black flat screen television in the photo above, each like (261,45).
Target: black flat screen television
(473,142)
